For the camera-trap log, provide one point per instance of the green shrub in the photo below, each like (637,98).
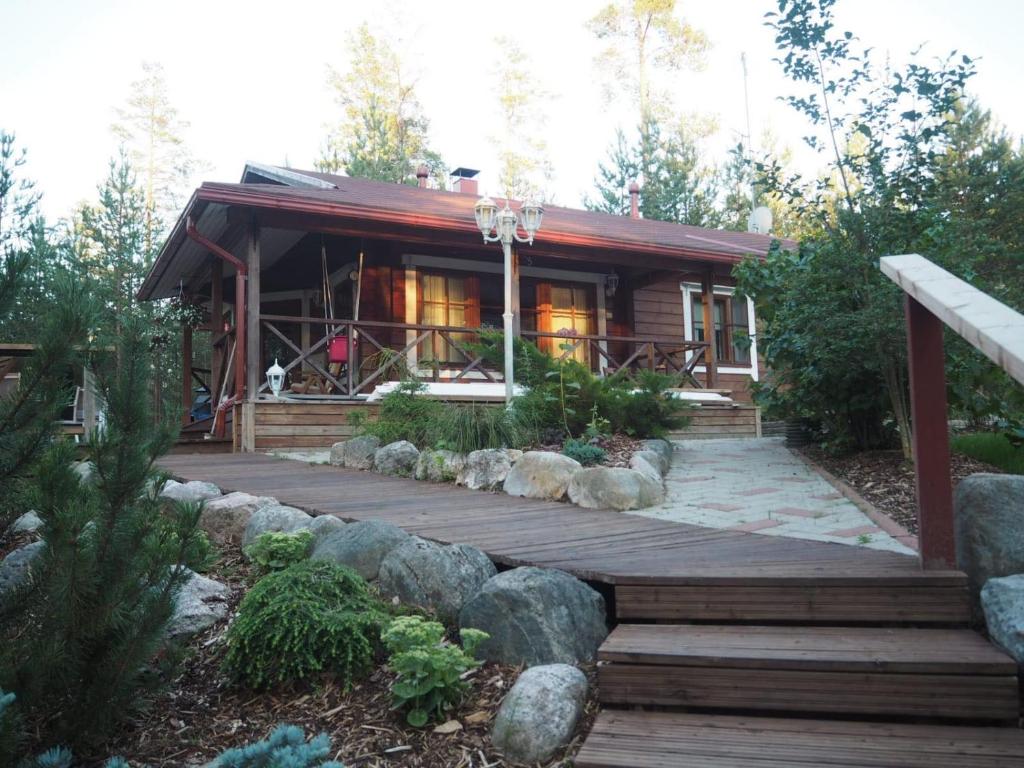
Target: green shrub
(406,415)
(475,426)
(993,448)
(585,453)
(275,550)
(429,669)
(641,406)
(310,618)
(285,748)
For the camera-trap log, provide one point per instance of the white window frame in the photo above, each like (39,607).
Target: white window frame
(688,291)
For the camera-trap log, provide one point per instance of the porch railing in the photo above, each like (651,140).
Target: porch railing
(376,349)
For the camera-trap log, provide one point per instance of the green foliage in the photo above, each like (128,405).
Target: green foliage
(995,448)
(585,453)
(310,618)
(275,550)
(116,555)
(429,669)
(475,426)
(406,415)
(10,729)
(641,405)
(286,747)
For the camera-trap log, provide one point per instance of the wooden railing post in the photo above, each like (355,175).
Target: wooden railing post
(186,375)
(708,305)
(931,437)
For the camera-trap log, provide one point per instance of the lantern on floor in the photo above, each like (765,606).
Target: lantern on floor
(275,378)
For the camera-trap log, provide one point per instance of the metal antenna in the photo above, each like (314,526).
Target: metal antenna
(750,138)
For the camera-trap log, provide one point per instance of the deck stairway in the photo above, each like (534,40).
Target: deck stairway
(865,673)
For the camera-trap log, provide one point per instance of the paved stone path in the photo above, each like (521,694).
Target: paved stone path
(762,487)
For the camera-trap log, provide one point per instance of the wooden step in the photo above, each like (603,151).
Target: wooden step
(853,671)
(940,600)
(683,740)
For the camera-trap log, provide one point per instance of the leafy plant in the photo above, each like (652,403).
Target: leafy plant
(286,747)
(275,550)
(310,618)
(406,415)
(475,426)
(429,669)
(585,453)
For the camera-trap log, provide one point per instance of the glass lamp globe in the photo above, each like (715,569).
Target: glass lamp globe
(533,214)
(275,378)
(486,211)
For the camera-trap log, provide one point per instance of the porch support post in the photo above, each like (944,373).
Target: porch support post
(931,437)
(252,314)
(708,303)
(186,374)
(216,328)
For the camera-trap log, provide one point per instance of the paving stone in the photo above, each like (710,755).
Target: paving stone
(757,525)
(861,530)
(721,507)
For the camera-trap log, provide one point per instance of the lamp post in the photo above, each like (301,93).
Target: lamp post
(505,225)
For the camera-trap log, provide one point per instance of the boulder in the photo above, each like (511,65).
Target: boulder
(435,577)
(541,475)
(85,470)
(989,521)
(30,522)
(514,454)
(225,518)
(14,568)
(642,461)
(485,469)
(653,458)
(539,715)
(1002,601)
(615,488)
(361,546)
(398,458)
(275,517)
(356,453)
(439,466)
(323,526)
(536,616)
(201,603)
(661,447)
(194,490)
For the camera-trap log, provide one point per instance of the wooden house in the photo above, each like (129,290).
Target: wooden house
(344,280)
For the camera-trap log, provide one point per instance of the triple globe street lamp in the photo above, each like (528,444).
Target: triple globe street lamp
(505,227)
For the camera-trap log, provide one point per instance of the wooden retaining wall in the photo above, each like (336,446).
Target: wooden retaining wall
(709,422)
(303,425)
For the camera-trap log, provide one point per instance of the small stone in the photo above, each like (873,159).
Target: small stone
(539,715)
(16,567)
(225,518)
(30,522)
(85,470)
(274,518)
(201,603)
(541,475)
(536,616)
(356,453)
(615,488)
(485,469)
(439,466)
(360,546)
(1002,600)
(194,490)
(398,458)
(434,577)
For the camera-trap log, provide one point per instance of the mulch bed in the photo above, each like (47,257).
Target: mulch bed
(201,712)
(618,449)
(886,480)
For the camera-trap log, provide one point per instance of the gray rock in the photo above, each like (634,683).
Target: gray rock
(194,490)
(225,518)
(541,475)
(201,603)
(1002,601)
(323,526)
(988,515)
(16,567)
(356,453)
(641,461)
(514,454)
(485,469)
(536,616)
(439,466)
(435,577)
(615,488)
(361,546)
(85,470)
(30,522)
(398,458)
(540,713)
(661,447)
(653,458)
(275,517)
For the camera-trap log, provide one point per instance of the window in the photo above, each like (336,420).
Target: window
(567,309)
(732,327)
(451,300)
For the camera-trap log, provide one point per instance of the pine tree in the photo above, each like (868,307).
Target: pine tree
(614,177)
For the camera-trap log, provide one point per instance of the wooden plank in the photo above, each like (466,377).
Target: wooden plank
(836,649)
(891,694)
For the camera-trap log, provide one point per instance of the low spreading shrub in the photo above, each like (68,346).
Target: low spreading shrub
(405,415)
(586,454)
(310,618)
(274,550)
(993,448)
(429,669)
(285,748)
(474,426)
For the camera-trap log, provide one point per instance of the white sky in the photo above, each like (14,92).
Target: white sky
(250,76)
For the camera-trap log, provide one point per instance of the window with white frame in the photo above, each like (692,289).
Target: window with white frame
(733,318)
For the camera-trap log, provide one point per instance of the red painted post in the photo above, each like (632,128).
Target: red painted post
(931,437)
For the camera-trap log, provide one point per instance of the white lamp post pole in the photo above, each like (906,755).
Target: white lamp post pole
(505,224)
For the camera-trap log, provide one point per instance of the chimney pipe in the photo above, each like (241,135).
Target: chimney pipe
(422,172)
(634,200)
(464,181)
